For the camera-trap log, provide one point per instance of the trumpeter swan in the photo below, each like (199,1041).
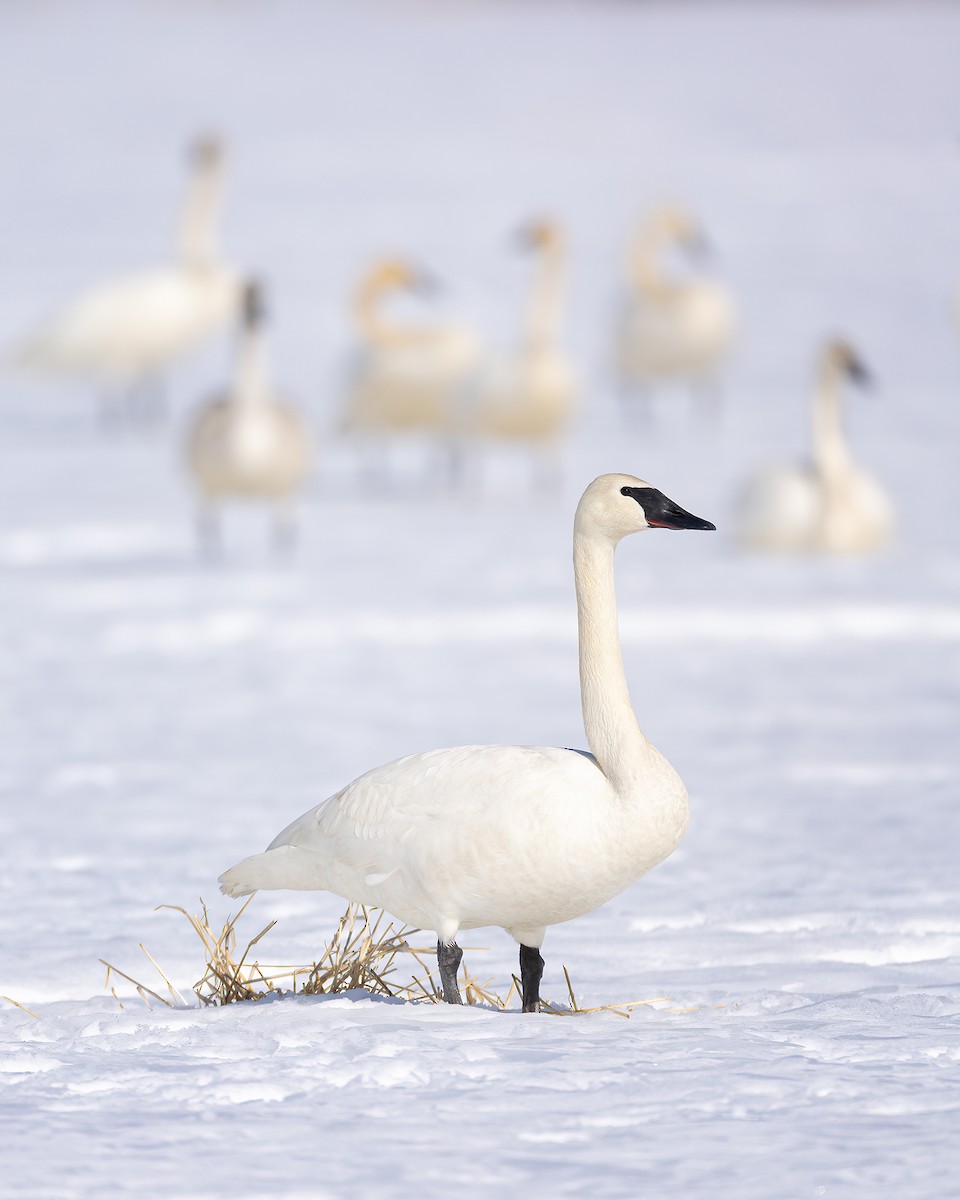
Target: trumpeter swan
(831,505)
(247,444)
(122,335)
(517,836)
(529,395)
(408,377)
(672,328)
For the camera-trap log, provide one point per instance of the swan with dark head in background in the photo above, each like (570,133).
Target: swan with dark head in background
(830,506)
(521,837)
(247,444)
(672,329)
(123,335)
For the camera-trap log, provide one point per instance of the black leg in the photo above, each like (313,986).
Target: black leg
(448,958)
(531,972)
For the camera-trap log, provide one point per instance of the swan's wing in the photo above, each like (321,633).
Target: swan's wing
(408,821)
(390,803)
(128,317)
(780,507)
(584,754)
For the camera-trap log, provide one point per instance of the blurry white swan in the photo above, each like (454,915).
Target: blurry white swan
(516,836)
(672,328)
(830,506)
(123,334)
(529,395)
(247,444)
(408,377)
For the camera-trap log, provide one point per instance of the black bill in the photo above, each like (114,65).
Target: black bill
(661,512)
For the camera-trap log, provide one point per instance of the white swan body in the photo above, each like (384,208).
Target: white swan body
(126,331)
(522,837)
(129,330)
(831,506)
(672,328)
(408,378)
(531,394)
(247,444)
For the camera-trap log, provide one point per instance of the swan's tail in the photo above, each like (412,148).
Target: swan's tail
(285,867)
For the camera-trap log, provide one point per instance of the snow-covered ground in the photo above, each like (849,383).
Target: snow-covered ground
(162,717)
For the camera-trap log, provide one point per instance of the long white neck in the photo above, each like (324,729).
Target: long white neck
(250,379)
(545,311)
(198,242)
(608,718)
(646,269)
(829,445)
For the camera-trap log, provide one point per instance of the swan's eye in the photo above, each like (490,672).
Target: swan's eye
(624,491)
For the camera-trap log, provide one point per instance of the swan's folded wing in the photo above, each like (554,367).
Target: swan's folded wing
(391,803)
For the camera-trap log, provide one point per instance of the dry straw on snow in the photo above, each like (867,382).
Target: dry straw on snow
(362,953)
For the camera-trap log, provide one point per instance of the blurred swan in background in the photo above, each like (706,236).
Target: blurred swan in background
(247,444)
(672,329)
(409,377)
(832,505)
(122,335)
(529,395)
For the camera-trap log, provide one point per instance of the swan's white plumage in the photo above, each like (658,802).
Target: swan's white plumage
(830,505)
(407,378)
(672,328)
(514,836)
(133,328)
(522,837)
(530,394)
(247,443)
(130,329)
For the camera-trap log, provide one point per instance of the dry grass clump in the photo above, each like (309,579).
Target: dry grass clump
(362,953)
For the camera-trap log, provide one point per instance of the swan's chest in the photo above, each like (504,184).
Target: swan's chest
(572,858)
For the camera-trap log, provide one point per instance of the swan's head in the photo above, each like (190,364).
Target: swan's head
(616,505)
(675,225)
(398,273)
(206,152)
(840,359)
(540,234)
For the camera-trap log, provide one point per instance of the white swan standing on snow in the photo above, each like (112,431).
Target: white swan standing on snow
(247,444)
(830,506)
(521,837)
(672,329)
(530,395)
(409,377)
(122,335)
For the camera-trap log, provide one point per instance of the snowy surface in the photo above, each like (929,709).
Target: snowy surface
(162,717)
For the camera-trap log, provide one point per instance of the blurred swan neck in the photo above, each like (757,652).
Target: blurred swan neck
(545,313)
(251,370)
(608,718)
(646,266)
(198,241)
(829,445)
